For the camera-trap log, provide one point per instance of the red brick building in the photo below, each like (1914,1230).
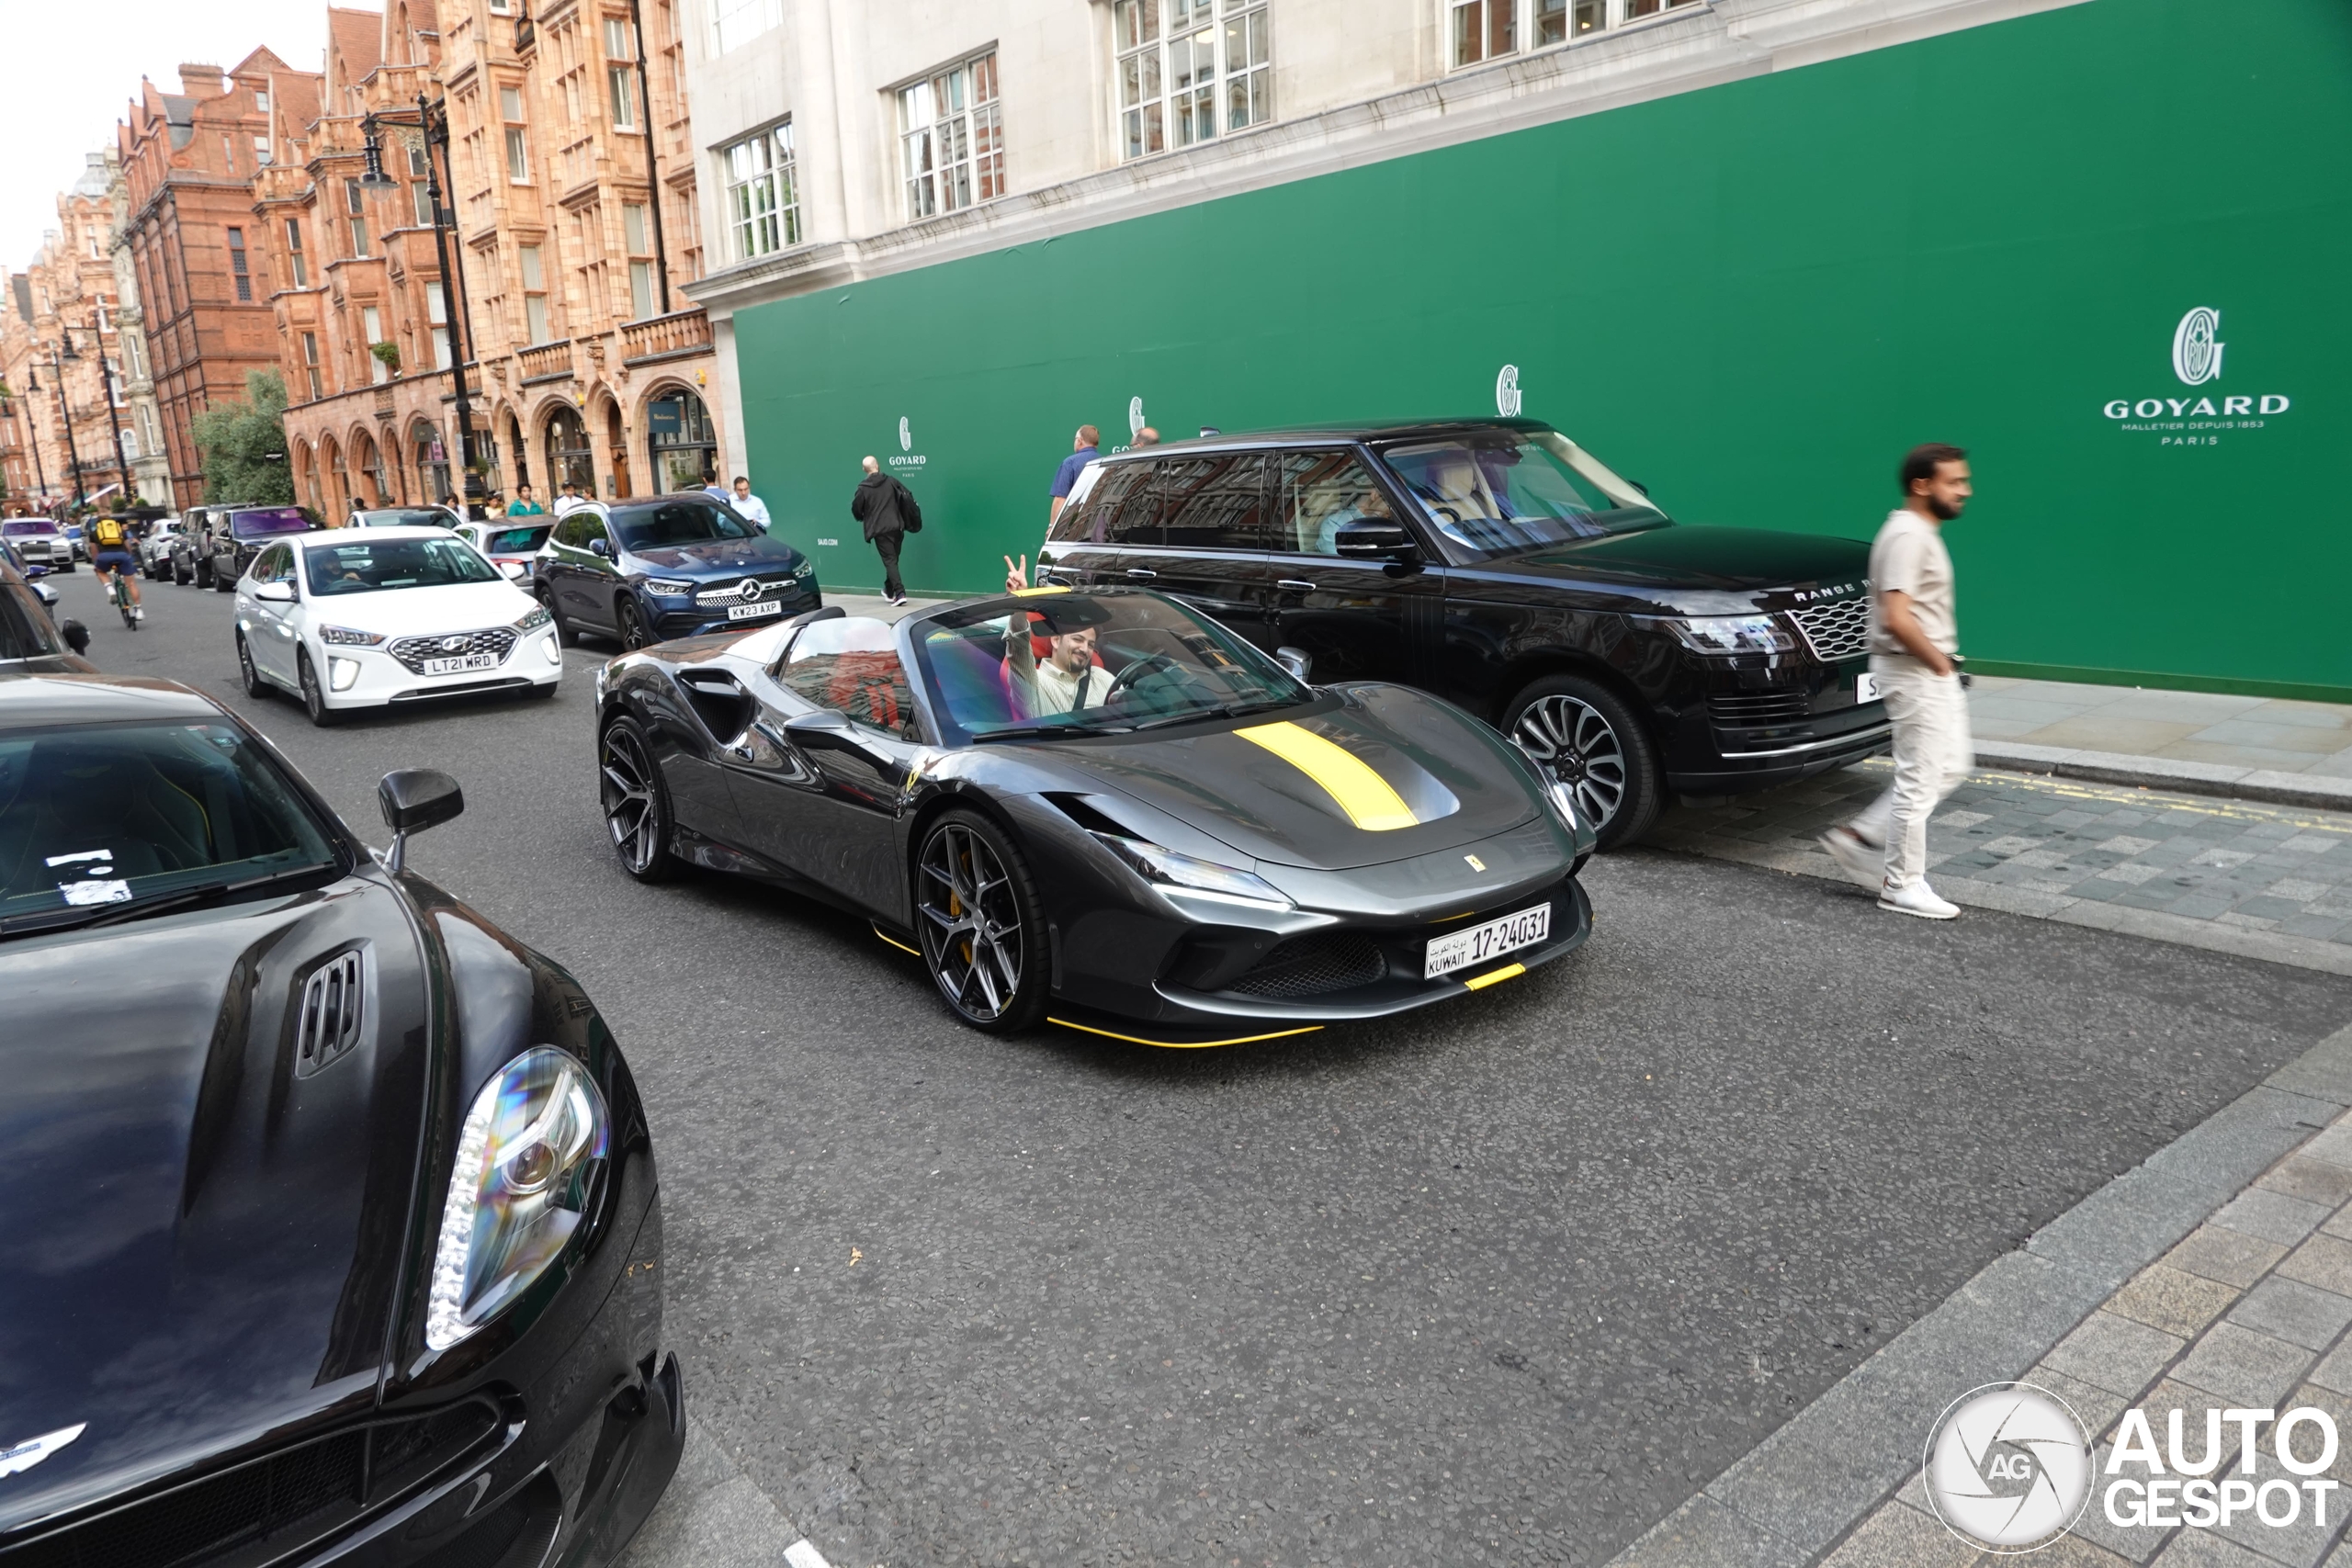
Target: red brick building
(189,158)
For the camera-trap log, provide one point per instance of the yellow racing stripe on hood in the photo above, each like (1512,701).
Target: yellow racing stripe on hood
(1362,793)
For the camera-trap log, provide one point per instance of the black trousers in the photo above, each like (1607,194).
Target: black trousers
(887,546)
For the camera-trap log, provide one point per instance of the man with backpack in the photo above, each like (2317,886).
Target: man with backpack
(110,553)
(887,511)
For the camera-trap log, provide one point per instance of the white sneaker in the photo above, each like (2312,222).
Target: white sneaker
(1919,899)
(1856,856)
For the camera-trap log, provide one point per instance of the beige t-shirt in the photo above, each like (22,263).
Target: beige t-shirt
(1909,558)
(1056,690)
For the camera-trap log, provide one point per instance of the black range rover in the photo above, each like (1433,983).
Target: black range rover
(1497,563)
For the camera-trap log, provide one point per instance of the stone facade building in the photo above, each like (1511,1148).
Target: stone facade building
(202,274)
(568,180)
(62,356)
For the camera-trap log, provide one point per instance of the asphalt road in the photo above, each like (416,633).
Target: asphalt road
(1498,1284)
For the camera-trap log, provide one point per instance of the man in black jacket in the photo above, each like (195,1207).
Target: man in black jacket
(888,512)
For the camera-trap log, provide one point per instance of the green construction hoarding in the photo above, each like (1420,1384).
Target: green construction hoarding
(2104,247)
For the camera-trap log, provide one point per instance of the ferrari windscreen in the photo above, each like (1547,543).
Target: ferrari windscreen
(1074,663)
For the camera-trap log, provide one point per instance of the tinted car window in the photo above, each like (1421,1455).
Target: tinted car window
(576,530)
(677,523)
(29,525)
(372,566)
(120,813)
(24,630)
(513,541)
(852,667)
(1090,522)
(267,520)
(1316,491)
(1214,502)
(1503,491)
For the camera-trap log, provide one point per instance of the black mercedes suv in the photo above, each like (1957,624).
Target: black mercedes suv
(1497,563)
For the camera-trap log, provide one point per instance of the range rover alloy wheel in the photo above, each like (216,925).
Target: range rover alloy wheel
(980,924)
(1587,736)
(636,802)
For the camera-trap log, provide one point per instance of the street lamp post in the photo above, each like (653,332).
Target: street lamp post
(32,437)
(433,124)
(57,362)
(114,425)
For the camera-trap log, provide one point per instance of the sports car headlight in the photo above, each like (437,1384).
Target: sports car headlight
(528,1158)
(667,587)
(1733,634)
(533,619)
(349,636)
(1192,875)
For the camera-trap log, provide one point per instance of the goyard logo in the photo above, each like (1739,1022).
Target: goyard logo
(2197,420)
(906,436)
(909,458)
(2196,348)
(1134,416)
(1507,399)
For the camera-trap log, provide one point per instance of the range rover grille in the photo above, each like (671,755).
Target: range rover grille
(327,1024)
(1314,966)
(1837,630)
(265,1506)
(1759,710)
(413,651)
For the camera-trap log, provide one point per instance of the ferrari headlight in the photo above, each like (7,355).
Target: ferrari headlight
(1190,874)
(350,637)
(667,587)
(1732,634)
(533,619)
(526,1161)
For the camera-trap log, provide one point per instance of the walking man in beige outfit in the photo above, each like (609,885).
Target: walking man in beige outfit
(1915,654)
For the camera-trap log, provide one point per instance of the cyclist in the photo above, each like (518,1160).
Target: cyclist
(110,553)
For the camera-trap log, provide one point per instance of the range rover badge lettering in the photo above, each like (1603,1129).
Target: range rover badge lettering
(32,1450)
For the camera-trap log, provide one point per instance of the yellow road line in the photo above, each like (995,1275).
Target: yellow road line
(1181,1044)
(1367,798)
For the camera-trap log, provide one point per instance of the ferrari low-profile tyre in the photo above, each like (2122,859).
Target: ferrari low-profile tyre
(634,634)
(254,685)
(636,802)
(1589,739)
(981,923)
(314,696)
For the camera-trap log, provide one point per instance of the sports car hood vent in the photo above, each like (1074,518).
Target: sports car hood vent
(1373,774)
(208,1140)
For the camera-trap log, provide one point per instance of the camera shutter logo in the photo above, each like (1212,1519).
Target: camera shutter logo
(2197,347)
(1134,416)
(1507,399)
(906,436)
(2009,1467)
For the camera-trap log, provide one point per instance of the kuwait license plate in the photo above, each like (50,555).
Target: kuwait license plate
(753,612)
(466,661)
(1462,949)
(1865,687)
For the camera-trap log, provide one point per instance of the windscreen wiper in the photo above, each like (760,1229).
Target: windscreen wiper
(1222,710)
(87,917)
(1048,731)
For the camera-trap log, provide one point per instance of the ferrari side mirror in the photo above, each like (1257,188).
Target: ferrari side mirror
(413,799)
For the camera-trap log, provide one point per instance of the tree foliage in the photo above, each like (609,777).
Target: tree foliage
(243,443)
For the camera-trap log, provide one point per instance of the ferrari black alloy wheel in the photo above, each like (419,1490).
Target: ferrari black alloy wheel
(1584,736)
(977,915)
(314,696)
(254,685)
(636,805)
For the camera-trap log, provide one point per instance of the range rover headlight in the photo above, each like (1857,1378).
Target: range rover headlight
(1732,634)
(533,618)
(527,1158)
(667,587)
(349,636)
(1190,874)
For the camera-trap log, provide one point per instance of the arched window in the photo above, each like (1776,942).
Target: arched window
(569,458)
(684,447)
(432,462)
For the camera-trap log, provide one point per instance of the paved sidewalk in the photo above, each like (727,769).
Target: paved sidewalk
(2216,1275)
(2235,876)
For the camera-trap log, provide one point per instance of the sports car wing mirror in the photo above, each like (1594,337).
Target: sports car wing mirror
(1369,539)
(76,636)
(1297,661)
(413,799)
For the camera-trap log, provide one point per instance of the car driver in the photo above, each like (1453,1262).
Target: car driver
(1069,680)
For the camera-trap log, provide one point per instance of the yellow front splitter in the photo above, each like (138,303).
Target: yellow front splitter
(1494,976)
(1184,1045)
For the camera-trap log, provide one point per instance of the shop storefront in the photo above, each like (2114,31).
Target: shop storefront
(1753,296)
(431,464)
(682,443)
(570,460)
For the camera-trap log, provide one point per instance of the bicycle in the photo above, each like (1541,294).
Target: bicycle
(118,590)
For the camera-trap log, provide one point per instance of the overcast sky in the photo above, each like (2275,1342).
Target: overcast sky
(74,64)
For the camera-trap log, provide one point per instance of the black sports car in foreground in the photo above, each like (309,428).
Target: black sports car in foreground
(332,1226)
(1103,809)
